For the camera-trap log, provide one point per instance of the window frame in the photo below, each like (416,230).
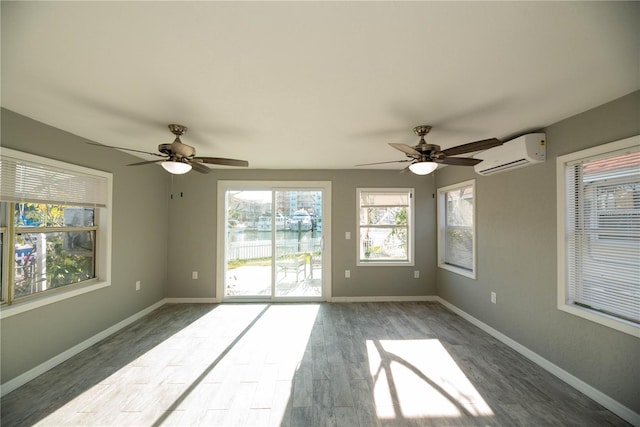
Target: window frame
(442,228)
(102,222)
(4,288)
(563,294)
(221,223)
(65,230)
(410,261)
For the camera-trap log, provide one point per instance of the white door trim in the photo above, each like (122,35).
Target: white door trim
(224,185)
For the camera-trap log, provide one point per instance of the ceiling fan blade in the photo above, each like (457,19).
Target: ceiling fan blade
(199,167)
(146,162)
(472,146)
(405,149)
(221,161)
(382,163)
(126,149)
(459,161)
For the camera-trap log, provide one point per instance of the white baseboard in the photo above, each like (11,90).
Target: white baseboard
(420,298)
(606,401)
(24,378)
(191,300)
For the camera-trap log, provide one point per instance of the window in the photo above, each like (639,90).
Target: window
(54,247)
(385,226)
(54,222)
(599,234)
(456,228)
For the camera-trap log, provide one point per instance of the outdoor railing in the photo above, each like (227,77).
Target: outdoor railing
(262,248)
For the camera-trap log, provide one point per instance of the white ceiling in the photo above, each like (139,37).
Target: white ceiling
(313,85)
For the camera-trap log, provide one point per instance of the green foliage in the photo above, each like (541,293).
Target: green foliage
(371,250)
(236,263)
(401,217)
(64,268)
(234,214)
(400,234)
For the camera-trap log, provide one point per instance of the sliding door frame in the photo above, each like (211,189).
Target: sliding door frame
(221,265)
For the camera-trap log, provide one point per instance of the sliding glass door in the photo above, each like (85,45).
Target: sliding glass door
(273,241)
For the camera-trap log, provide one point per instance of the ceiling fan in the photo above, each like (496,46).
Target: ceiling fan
(425,158)
(179,158)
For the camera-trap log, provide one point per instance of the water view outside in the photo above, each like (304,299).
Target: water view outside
(283,248)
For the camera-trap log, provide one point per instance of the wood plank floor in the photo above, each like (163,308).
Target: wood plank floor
(361,364)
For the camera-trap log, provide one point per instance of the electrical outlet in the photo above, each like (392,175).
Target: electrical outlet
(347,235)
(194,275)
(347,274)
(493,297)
(137,285)
(416,274)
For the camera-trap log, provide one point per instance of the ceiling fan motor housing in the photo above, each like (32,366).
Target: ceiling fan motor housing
(427,148)
(177,150)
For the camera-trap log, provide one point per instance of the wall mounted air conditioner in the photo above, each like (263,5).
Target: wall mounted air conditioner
(522,151)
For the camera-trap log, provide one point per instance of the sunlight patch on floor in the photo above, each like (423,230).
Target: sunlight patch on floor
(280,340)
(420,379)
(162,374)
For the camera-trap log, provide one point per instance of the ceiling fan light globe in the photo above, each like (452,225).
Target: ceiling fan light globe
(423,168)
(176,168)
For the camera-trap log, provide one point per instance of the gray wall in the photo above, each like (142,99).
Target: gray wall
(140,218)
(193,232)
(516,244)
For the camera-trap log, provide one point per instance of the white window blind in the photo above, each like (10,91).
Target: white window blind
(603,233)
(27,178)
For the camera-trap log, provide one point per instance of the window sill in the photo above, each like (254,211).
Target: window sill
(385,264)
(458,270)
(603,319)
(37,302)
